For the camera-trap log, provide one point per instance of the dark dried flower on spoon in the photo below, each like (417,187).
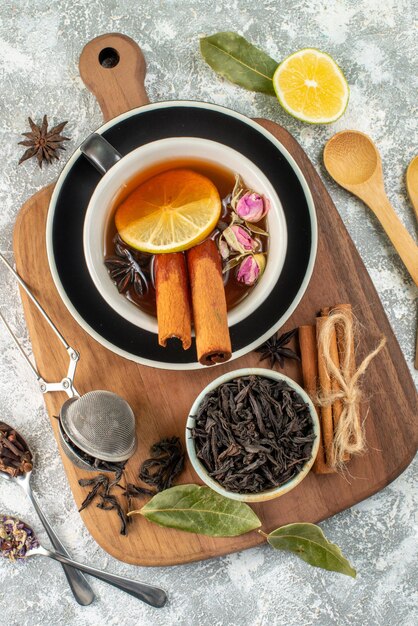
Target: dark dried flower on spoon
(16,539)
(41,143)
(15,458)
(274,349)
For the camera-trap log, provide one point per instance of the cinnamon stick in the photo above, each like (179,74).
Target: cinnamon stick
(337,406)
(336,341)
(348,310)
(309,359)
(172,298)
(213,342)
(326,411)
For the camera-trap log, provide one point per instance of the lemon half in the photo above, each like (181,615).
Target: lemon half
(311,87)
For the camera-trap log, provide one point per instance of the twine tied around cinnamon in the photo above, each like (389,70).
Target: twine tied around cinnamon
(349,435)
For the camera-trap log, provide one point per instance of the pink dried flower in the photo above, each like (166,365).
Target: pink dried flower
(239,239)
(251,269)
(252,207)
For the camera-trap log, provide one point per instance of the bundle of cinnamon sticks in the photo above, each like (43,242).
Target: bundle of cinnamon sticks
(193,281)
(316,376)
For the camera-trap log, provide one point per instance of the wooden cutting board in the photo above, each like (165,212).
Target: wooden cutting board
(161,399)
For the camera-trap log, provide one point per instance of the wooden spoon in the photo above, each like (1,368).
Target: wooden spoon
(412,187)
(353,161)
(412,183)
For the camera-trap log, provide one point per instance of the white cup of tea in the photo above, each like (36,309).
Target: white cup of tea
(119,171)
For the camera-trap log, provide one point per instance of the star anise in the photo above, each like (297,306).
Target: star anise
(124,269)
(43,144)
(274,349)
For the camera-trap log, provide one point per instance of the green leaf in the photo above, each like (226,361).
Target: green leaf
(310,544)
(234,58)
(200,510)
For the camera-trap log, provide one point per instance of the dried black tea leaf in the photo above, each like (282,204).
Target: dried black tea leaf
(253,434)
(134,491)
(109,503)
(165,464)
(98,483)
(101,487)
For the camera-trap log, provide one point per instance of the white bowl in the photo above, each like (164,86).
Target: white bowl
(100,206)
(263,495)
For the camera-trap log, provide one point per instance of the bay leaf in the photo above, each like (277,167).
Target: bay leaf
(237,60)
(196,509)
(310,544)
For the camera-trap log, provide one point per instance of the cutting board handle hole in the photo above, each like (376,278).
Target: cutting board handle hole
(108,58)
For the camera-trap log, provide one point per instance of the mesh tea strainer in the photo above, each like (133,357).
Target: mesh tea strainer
(98,426)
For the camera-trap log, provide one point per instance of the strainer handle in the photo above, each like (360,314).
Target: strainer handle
(66,384)
(35,301)
(153,596)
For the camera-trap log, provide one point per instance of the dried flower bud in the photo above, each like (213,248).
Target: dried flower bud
(251,269)
(223,248)
(252,207)
(239,239)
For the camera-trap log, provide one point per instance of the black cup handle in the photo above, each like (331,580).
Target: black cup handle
(100,153)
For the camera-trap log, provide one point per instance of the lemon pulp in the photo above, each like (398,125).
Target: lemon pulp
(170,212)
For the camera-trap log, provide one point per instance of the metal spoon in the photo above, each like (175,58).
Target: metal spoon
(147,593)
(353,161)
(80,587)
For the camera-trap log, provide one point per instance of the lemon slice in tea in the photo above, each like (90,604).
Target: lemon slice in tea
(170,212)
(311,87)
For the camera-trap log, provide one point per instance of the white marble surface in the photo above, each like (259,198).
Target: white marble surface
(375,42)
